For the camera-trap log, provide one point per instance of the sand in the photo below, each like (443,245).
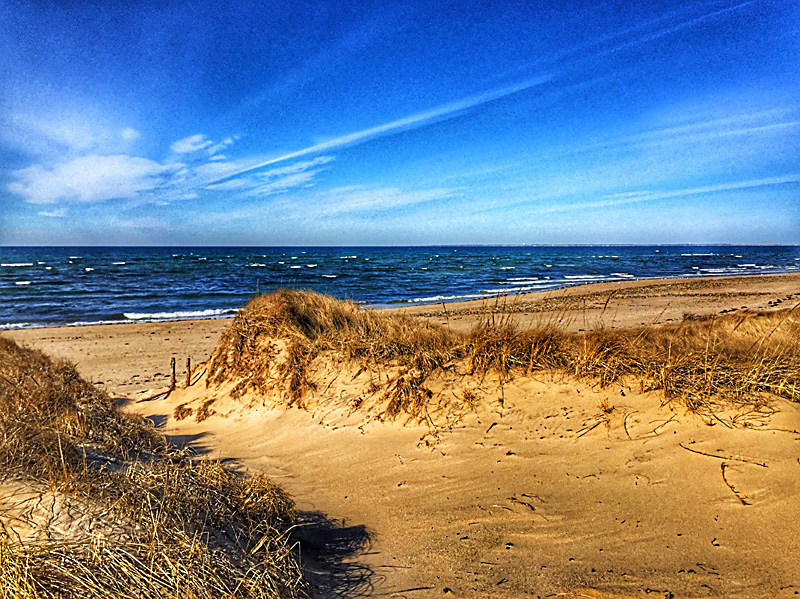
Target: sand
(546,496)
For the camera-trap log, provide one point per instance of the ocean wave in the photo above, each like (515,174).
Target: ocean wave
(22,283)
(519,282)
(87,269)
(311,265)
(256,264)
(119,263)
(699,254)
(520,288)
(178,315)
(16,325)
(17,264)
(585,277)
(348,257)
(507,267)
(624,275)
(298,266)
(444,298)
(330,276)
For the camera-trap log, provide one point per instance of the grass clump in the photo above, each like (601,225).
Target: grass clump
(308,324)
(157,521)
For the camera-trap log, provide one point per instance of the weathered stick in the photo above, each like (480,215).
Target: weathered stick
(739,496)
(172,376)
(724,457)
(188,372)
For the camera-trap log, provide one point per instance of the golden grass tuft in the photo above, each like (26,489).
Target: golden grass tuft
(168,525)
(275,343)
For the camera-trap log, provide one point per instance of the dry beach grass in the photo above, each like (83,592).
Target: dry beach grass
(155,521)
(279,343)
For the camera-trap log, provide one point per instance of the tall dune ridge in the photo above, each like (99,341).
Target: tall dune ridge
(97,504)
(299,348)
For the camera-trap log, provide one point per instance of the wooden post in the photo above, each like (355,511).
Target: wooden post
(172,377)
(188,372)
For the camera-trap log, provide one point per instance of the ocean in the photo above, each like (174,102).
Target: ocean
(64,286)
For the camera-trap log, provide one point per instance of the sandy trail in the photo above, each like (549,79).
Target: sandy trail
(548,496)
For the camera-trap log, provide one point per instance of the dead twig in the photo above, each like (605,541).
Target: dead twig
(724,457)
(742,499)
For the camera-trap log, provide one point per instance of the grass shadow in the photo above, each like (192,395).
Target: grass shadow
(330,550)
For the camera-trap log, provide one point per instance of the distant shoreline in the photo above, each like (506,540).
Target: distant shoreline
(426,308)
(60,287)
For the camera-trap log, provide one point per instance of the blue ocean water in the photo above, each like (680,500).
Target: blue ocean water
(42,286)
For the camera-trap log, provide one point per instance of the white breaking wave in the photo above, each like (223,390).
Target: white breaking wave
(584,277)
(311,265)
(330,276)
(22,283)
(443,298)
(17,264)
(88,269)
(507,267)
(520,289)
(175,315)
(518,282)
(119,263)
(15,325)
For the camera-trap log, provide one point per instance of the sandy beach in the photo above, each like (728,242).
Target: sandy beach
(543,494)
(133,358)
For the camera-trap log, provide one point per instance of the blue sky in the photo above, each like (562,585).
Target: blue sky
(347,123)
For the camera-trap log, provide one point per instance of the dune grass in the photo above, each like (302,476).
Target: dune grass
(164,523)
(732,358)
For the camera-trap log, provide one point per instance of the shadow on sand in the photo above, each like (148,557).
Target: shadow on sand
(329,550)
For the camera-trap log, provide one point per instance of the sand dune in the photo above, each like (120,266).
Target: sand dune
(563,488)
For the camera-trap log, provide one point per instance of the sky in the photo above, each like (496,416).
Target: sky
(219,122)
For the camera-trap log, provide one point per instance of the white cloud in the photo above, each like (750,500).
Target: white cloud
(193,143)
(88,179)
(57,132)
(216,148)
(276,180)
(59,213)
(129,134)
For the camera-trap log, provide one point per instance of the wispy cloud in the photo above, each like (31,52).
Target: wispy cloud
(632,197)
(357,199)
(410,122)
(88,179)
(193,143)
(276,180)
(59,213)
(130,134)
